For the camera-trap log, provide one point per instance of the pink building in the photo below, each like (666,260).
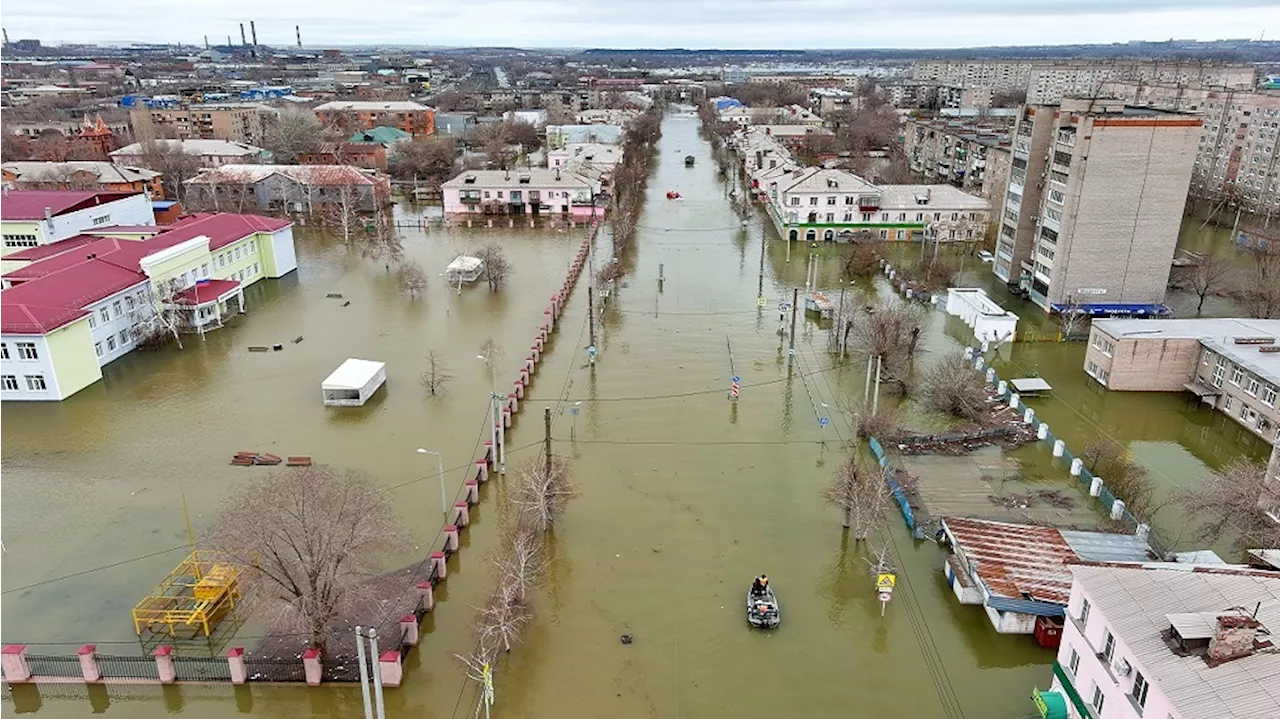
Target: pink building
(1168,641)
(532,192)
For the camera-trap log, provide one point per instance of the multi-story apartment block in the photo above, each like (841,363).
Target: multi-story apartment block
(1232,365)
(1048,82)
(245,123)
(72,307)
(813,204)
(532,192)
(968,154)
(33,218)
(351,116)
(1239,152)
(1095,201)
(1155,641)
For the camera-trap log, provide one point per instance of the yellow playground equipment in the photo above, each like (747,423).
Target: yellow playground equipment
(196,595)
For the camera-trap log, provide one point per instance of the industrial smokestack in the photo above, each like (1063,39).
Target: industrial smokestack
(243,41)
(253,31)
(206,42)
(297,30)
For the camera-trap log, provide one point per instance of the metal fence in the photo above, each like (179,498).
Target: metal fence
(340,669)
(43,665)
(124,667)
(275,670)
(202,669)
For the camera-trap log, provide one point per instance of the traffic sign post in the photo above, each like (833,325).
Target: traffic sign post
(735,388)
(884,589)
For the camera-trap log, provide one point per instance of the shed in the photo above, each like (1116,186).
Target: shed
(353,383)
(1028,386)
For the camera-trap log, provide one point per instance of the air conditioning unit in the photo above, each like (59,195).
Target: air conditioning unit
(1121,668)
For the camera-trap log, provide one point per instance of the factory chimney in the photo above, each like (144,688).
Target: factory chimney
(206,42)
(298,31)
(253,32)
(243,41)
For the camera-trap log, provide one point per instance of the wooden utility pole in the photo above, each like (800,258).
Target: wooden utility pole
(791,350)
(546,440)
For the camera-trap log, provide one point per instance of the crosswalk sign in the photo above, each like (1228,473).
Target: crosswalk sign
(885,582)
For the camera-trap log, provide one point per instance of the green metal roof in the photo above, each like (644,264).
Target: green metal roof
(382,135)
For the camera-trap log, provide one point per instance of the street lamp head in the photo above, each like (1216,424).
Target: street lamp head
(482,357)
(422,451)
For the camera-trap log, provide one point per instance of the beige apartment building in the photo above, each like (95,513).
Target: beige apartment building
(245,123)
(1095,200)
(970,154)
(1231,364)
(1049,81)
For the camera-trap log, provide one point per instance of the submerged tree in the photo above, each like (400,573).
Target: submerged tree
(1234,501)
(436,375)
(951,386)
(1212,274)
(890,331)
(542,494)
(1123,477)
(413,279)
(859,491)
(497,268)
(307,541)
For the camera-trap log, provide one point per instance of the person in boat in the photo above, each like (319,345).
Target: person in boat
(759,586)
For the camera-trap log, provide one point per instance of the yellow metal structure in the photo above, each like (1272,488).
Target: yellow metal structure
(195,596)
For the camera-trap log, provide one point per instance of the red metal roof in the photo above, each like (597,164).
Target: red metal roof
(30,204)
(1017,561)
(205,291)
(40,252)
(50,302)
(35,319)
(222,229)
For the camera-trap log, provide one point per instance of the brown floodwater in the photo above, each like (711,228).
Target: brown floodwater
(683,495)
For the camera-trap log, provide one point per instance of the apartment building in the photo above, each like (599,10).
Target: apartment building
(1232,365)
(532,192)
(1239,151)
(1048,82)
(1095,200)
(813,204)
(33,218)
(1156,640)
(245,123)
(212,153)
(81,175)
(70,308)
(970,154)
(352,116)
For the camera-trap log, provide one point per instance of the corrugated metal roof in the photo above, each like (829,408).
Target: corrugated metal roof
(1135,604)
(1027,562)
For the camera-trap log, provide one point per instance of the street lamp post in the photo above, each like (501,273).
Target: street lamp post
(497,433)
(444,503)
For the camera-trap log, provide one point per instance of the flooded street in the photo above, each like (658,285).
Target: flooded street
(683,496)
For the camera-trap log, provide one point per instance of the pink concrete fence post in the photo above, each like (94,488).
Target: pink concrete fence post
(164,664)
(451,537)
(428,592)
(235,660)
(535,352)
(513,401)
(461,513)
(311,666)
(409,630)
(519,384)
(473,492)
(506,418)
(13,662)
(482,470)
(390,668)
(438,565)
(490,457)
(528,368)
(89,668)
(551,320)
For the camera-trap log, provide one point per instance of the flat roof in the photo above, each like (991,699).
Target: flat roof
(1030,384)
(1189,329)
(352,374)
(1139,603)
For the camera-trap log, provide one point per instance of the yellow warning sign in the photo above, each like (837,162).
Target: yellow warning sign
(886,581)
(761,302)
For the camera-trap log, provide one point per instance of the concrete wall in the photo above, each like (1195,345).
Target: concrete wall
(1143,365)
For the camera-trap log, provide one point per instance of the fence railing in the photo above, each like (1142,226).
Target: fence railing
(202,669)
(258,669)
(54,666)
(126,667)
(895,489)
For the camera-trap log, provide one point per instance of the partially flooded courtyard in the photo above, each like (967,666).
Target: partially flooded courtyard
(683,495)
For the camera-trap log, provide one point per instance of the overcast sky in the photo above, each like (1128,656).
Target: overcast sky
(646,23)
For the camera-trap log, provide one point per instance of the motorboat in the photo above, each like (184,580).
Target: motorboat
(689,160)
(985,256)
(464,270)
(673,195)
(762,609)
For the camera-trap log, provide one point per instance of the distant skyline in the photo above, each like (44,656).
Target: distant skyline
(723,24)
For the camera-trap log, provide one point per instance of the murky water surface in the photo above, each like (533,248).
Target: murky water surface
(683,495)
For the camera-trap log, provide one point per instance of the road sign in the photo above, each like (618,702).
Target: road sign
(791,351)
(761,302)
(736,379)
(885,596)
(823,421)
(885,582)
(591,350)
(573,411)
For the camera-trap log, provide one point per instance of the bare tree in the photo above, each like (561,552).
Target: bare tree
(430,161)
(1073,320)
(865,258)
(436,375)
(1211,274)
(307,541)
(953,387)
(890,330)
(162,319)
(1259,289)
(859,491)
(174,164)
(1124,477)
(14,147)
(542,495)
(496,266)
(413,279)
(221,189)
(384,245)
(1231,501)
(293,132)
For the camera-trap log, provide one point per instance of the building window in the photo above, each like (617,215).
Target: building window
(831,200)
(813,200)
(1084,612)
(795,200)
(116,310)
(1269,396)
(1098,699)
(4,350)
(128,303)
(1140,687)
(105,314)
(884,216)
(902,217)
(1237,374)
(93,321)
(849,200)
(204,270)
(1251,386)
(35,383)
(100,221)
(255,265)
(1218,372)
(124,337)
(27,350)
(866,217)
(97,348)
(20,241)
(9,382)
(919,217)
(111,343)
(222,260)
(1244,411)
(1226,404)
(1074,661)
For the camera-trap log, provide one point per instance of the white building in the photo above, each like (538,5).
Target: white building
(212,153)
(1159,641)
(31,218)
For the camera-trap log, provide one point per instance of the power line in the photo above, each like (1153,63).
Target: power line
(676,395)
(96,569)
(692,442)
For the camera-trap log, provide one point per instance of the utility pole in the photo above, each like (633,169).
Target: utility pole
(591,318)
(364,673)
(840,321)
(546,439)
(875,402)
(381,703)
(791,349)
(866,391)
(764,241)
